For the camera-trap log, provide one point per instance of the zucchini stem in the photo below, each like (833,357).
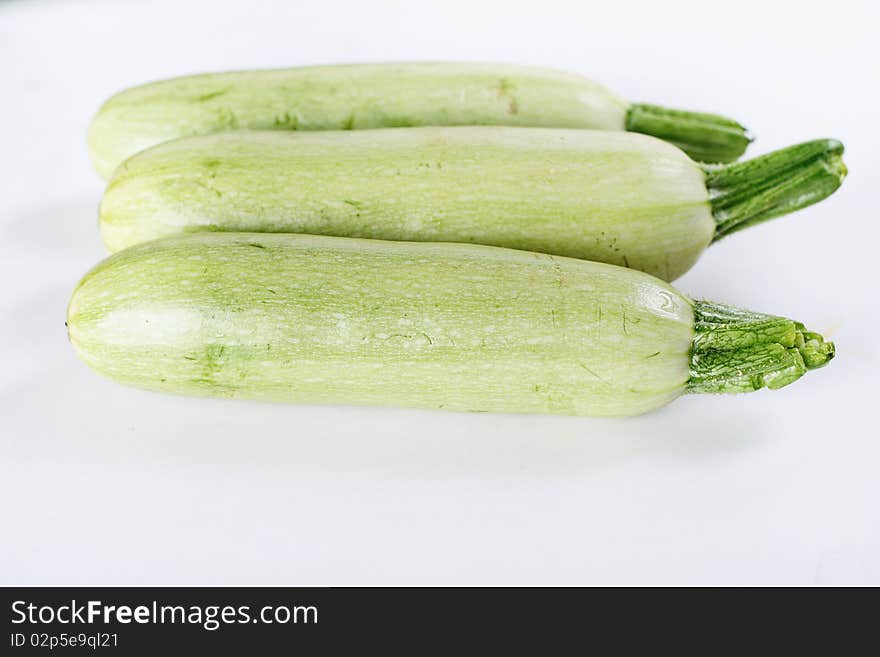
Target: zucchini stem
(748,193)
(737,350)
(704,137)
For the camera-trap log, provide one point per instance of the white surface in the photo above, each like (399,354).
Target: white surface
(102,484)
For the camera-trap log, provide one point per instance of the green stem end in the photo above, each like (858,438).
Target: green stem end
(704,137)
(752,192)
(738,350)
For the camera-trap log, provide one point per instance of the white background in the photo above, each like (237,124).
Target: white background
(100,484)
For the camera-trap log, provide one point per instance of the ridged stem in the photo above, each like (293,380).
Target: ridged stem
(748,193)
(704,137)
(737,350)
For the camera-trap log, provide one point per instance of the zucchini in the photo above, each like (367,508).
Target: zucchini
(359,96)
(316,319)
(618,198)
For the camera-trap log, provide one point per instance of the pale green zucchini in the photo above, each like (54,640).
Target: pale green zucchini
(618,198)
(318,319)
(359,96)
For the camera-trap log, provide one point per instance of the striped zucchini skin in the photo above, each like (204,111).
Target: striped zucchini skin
(612,197)
(345,97)
(317,319)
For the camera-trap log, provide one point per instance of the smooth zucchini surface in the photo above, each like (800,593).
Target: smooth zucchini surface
(618,198)
(330,320)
